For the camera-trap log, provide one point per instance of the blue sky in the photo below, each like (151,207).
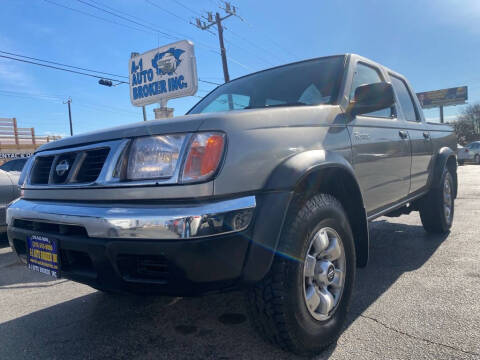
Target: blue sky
(435,43)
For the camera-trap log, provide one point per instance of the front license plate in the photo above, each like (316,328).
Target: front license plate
(43,255)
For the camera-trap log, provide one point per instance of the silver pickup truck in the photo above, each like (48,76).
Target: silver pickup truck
(267,184)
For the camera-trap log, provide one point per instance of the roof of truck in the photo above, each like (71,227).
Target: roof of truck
(346,55)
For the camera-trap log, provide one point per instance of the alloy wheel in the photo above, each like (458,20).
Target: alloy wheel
(447,200)
(324,273)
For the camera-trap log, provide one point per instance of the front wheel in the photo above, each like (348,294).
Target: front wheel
(301,305)
(437,208)
(477,159)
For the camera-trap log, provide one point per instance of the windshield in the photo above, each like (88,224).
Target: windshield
(311,82)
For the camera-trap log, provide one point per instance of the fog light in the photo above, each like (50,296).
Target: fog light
(239,220)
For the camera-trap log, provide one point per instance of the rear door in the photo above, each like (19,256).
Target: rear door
(420,137)
(381,148)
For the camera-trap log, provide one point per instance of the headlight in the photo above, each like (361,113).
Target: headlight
(204,155)
(154,157)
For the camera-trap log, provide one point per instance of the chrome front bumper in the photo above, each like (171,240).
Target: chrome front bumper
(173,221)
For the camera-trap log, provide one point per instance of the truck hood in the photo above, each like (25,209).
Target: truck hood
(230,121)
(180,124)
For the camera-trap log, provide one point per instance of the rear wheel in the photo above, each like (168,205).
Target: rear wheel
(301,305)
(437,207)
(461,162)
(477,159)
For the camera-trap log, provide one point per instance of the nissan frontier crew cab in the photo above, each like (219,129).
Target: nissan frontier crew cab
(267,184)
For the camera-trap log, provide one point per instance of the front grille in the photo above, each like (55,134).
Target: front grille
(83,166)
(41,170)
(52,228)
(92,165)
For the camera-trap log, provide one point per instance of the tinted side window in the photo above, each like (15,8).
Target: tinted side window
(6,166)
(18,166)
(14,165)
(405,98)
(365,75)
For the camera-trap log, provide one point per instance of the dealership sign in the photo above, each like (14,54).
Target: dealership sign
(445,97)
(164,73)
(10,156)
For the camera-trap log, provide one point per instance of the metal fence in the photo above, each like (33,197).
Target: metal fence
(13,137)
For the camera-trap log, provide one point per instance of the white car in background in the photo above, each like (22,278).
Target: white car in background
(469,153)
(9,191)
(15,165)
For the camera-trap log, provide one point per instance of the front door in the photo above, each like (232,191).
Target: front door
(381,149)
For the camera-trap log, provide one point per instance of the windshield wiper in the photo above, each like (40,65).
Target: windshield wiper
(276,105)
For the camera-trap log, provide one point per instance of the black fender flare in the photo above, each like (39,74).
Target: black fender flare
(293,170)
(441,161)
(279,192)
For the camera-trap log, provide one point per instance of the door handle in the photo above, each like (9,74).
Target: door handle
(403,134)
(426,135)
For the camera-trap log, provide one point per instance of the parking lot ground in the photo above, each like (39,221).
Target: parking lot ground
(419,298)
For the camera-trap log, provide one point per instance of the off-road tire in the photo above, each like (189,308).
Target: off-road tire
(276,305)
(432,208)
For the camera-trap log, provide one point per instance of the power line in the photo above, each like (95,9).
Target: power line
(98,17)
(201,44)
(154,31)
(253,44)
(76,67)
(212,77)
(140,19)
(209,82)
(167,11)
(114,12)
(62,69)
(186,7)
(28,96)
(217,21)
(264,61)
(119,11)
(270,38)
(58,98)
(57,63)
(173,14)
(213,33)
(126,19)
(102,108)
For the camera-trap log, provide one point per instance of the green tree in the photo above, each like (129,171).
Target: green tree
(467,126)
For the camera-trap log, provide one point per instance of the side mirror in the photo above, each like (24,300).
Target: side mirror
(372,97)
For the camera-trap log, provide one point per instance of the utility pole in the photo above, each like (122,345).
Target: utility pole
(68,102)
(230,10)
(223,52)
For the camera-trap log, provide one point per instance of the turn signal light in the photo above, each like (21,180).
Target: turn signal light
(204,156)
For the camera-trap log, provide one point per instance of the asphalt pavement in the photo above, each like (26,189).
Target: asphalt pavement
(419,298)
